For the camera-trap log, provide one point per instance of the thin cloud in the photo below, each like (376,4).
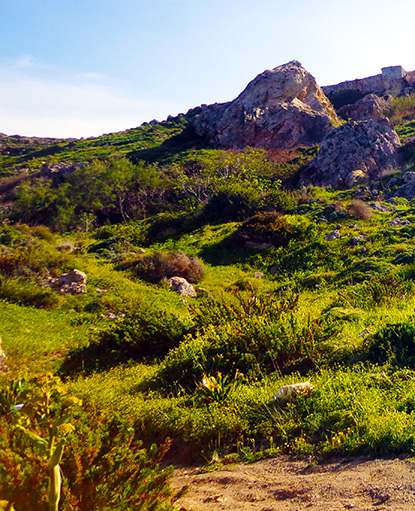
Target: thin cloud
(40,101)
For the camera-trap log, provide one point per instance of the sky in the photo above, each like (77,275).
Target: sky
(82,68)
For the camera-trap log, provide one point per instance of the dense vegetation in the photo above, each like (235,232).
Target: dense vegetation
(102,383)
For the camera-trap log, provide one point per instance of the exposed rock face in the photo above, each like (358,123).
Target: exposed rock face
(356,152)
(281,108)
(369,107)
(182,287)
(403,186)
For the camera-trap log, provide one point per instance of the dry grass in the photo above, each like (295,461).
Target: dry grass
(359,210)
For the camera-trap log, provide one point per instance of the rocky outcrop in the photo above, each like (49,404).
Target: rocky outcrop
(403,186)
(356,152)
(182,287)
(73,282)
(369,107)
(281,108)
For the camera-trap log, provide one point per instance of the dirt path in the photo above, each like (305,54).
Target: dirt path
(360,484)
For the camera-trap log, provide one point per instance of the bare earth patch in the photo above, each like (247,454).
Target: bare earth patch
(282,484)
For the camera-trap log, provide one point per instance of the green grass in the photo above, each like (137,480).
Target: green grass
(36,340)
(361,287)
(204,372)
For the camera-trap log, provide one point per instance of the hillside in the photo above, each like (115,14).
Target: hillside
(294,234)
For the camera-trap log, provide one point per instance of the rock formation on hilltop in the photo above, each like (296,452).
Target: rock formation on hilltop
(281,108)
(356,152)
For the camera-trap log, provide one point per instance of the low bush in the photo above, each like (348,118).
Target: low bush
(252,336)
(394,343)
(234,202)
(24,292)
(265,228)
(402,109)
(33,260)
(359,210)
(104,465)
(162,265)
(171,225)
(312,254)
(376,292)
(280,200)
(334,212)
(318,279)
(141,335)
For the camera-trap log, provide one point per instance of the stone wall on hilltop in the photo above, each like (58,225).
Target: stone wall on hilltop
(393,80)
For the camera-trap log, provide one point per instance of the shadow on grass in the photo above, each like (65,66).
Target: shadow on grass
(97,357)
(227,253)
(171,148)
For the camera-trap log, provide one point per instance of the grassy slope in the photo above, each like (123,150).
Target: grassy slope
(35,152)
(40,339)
(355,408)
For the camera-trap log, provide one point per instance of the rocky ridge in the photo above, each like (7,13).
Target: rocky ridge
(285,108)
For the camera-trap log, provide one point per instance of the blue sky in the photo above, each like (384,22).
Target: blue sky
(79,68)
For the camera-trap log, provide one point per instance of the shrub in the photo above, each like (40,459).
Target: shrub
(334,212)
(24,292)
(394,343)
(267,228)
(359,210)
(317,279)
(42,232)
(142,335)
(171,225)
(107,468)
(401,110)
(251,336)
(376,292)
(233,202)
(103,463)
(161,265)
(280,200)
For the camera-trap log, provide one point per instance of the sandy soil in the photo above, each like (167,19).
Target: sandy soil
(282,484)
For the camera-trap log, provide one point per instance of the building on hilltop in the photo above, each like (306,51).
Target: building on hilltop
(393,80)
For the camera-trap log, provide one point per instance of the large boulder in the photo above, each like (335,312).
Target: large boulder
(356,152)
(281,108)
